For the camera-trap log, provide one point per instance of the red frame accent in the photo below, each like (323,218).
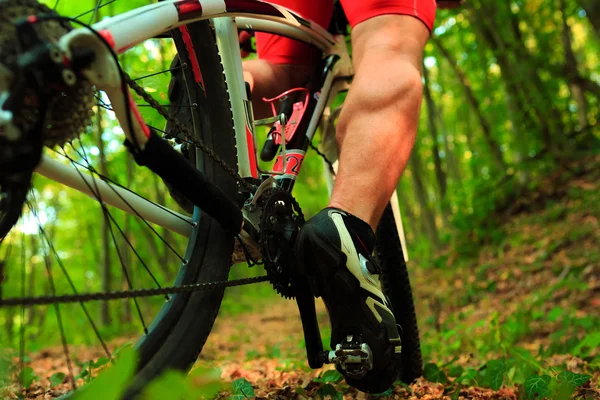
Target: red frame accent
(298,111)
(189,8)
(136,113)
(251,153)
(105,33)
(187,39)
(291,168)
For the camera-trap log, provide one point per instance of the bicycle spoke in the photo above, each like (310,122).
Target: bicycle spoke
(93,171)
(56,305)
(108,215)
(161,72)
(72,285)
(94,10)
(125,272)
(94,13)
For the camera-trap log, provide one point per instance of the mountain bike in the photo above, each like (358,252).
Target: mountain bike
(217,206)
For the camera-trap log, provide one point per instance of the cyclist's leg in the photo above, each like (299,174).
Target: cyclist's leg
(284,63)
(376,133)
(377,127)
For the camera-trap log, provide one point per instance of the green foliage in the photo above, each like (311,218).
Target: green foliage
(27,376)
(433,373)
(242,388)
(57,379)
(111,382)
(171,385)
(329,390)
(494,374)
(537,387)
(331,376)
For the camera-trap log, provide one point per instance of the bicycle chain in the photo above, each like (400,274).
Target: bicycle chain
(197,142)
(126,294)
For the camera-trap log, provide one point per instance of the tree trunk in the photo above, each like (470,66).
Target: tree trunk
(472,100)
(440,174)
(427,214)
(571,69)
(592,9)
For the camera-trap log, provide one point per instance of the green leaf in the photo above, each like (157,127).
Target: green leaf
(331,376)
(170,385)
(467,377)
(591,341)
(537,386)
(102,361)
(84,373)
(494,375)
(525,356)
(455,371)
(554,314)
(329,390)
(111,382)
(243,387)
(573,379)
(57,379)
(207,381)
(433,373)
(27,376)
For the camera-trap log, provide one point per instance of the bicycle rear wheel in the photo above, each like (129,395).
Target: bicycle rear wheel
(396,285)
(180,326)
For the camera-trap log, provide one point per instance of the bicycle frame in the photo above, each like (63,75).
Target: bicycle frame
(129,29)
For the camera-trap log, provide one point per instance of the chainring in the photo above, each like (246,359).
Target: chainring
(281,221)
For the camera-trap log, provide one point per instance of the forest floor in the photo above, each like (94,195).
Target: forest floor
(531,302)
(519,321)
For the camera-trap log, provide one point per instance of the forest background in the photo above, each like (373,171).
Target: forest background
(500,204)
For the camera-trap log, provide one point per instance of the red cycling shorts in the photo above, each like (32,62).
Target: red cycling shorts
(281,50)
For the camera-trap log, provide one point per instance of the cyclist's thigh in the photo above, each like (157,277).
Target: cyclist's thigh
(281,50)
(358,11)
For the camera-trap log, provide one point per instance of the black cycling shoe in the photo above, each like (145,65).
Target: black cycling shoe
(334,252)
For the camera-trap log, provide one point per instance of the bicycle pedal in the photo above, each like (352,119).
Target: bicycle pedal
(352,356)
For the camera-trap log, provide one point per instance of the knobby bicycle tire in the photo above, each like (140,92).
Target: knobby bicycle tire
(185,332)
(396,285)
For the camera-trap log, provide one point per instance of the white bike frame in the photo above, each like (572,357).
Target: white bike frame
(129,29)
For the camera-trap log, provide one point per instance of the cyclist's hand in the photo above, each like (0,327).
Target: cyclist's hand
(245,43)
(444,4)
